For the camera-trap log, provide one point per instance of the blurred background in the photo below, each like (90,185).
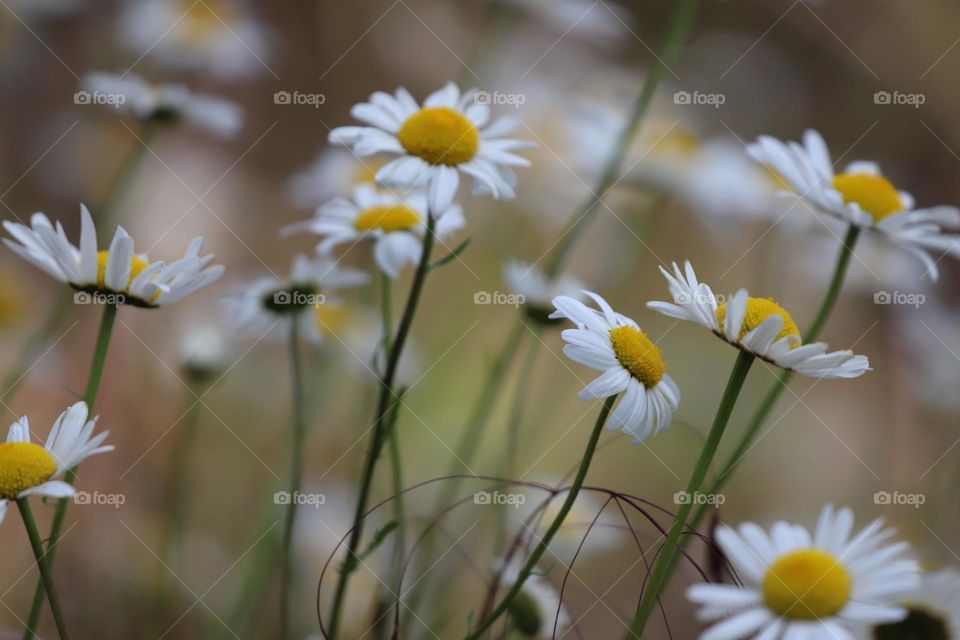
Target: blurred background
(876,77)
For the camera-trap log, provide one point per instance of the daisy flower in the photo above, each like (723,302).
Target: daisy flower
(331,174)
(860,196)
(758,326)
(598,21)
(818,586)
(29,469)
(631,364)
(605,535)
(539,289)
(396,224)
(161,102)
(537,611)
(269,301)
(933,611)
(116,274)
(202,351)
(435,143)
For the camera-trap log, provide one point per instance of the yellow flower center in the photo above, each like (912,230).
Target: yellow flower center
(677,141)
(201,19)
(392,217)
(23,465)
(440,135)
(807,585)
(331,319)
(136,266)
(875,194)
(366,172)
(758,310)
(11,298)
(638,355)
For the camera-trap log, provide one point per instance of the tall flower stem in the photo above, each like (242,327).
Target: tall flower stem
(541,547)
(380,423)
(671,548)
(60,513)
(46,577)
(296,476)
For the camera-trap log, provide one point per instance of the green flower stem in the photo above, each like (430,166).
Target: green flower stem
(296,476)
(124,178)
(46,577)
(541,547)
(671,548)
(380,424)
(60,513)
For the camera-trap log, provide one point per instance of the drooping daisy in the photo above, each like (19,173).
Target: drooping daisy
(435,143)
(861,196)
(117,273)
(818,586)
(333,173)
(27,468)
(537,611)
(202,352)
(396,224)
(162,102)
(270,301)
(630,362)
(933,612)
(757,325)
(539,289)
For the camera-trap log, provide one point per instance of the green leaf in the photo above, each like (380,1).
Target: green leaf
(351,563)
(453,254)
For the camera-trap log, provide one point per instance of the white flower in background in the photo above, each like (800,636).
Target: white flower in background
(591,19)
(861,196)
(121,274)
(757,325)
(436,142)
(202,351)
(29,469)
(933,611)
(333,173)
(630,362)
(932,338)
(537,611)
(606,534)
(161,102)
(819,586)
(268,302)
(538,289)
(214,36)
(395,223)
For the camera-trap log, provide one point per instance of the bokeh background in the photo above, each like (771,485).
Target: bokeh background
(764,66)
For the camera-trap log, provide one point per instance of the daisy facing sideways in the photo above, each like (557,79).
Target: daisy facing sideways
(396,224)
(117,273)
(756,325)
(537,611)
(29,469)
(860,196)
(539,289)
(435,142)
(822,585)
(933,611)
(631,364)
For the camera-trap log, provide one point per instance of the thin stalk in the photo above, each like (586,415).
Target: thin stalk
(380,421)
(538,552)
(124,178)
(46,577)
(671,549)
(93,385)
(296,476)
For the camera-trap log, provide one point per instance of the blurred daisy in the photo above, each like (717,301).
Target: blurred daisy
(606,534)
(202,352)
(162,102)
(29,469)
(538,289)
(537,611)
(797,585)
(396,224)
(333,173)
(436,142)
(933,611)
(756,325)
(860,196)
(600,21)
(117,273)
(269,301)
(630,362)
(215,36)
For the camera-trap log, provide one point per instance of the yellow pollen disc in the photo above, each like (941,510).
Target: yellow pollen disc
(136,266)
(758,310)
(875,194)
(806,585)
(440,135)
(366,173)
(23,465)
(331,319)
(393,217)
(676,141)
(201,19)
(638,355)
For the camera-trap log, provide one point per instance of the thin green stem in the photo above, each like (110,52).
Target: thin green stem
(124,177)
(380,423)
(541,547)
(46,577)
(296,476)
(671,548)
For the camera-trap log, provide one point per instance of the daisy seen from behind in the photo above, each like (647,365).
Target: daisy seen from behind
(933,610)
(820,585)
